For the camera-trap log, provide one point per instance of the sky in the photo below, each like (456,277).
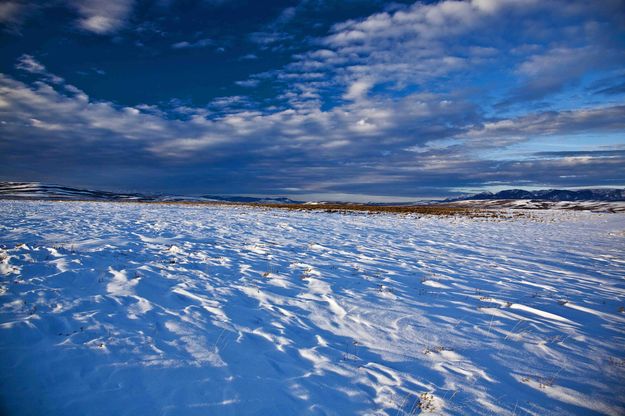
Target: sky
(313,99)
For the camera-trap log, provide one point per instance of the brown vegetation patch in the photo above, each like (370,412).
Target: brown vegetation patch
(444,210)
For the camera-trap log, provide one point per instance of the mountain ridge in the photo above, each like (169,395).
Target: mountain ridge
(37,190)
(588,194)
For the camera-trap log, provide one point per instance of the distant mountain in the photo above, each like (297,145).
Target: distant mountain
(249,199)
(549,195)
(36,190)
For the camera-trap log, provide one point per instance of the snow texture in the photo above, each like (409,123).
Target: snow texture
(130,309)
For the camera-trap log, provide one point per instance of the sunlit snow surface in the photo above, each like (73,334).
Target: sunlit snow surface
(130,309)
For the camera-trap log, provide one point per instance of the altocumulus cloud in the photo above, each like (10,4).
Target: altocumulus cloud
(416,100)
(102,16)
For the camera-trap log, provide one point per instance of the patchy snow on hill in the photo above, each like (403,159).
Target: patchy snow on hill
(598,206)
(128,309)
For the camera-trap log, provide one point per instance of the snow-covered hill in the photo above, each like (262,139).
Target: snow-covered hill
(555,195)
(533,204)
(137,309)
(38,191)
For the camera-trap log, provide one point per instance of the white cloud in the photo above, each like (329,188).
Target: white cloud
(201,43)
(445,46)
(270,37)
(550,71)
(102,16)
(9,11)
(303,148)
(360,128)
(29,64)
(358,89)
(597,119)
(248,83)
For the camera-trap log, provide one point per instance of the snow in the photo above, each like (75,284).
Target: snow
(126,309)
(598,206)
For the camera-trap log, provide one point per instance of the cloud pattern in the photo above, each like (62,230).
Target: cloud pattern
(416,100)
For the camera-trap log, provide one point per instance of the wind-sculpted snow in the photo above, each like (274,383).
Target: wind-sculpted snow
(132,309)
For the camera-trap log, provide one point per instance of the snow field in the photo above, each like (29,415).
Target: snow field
(110,308)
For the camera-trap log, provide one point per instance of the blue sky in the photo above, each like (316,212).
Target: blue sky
(353,99)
